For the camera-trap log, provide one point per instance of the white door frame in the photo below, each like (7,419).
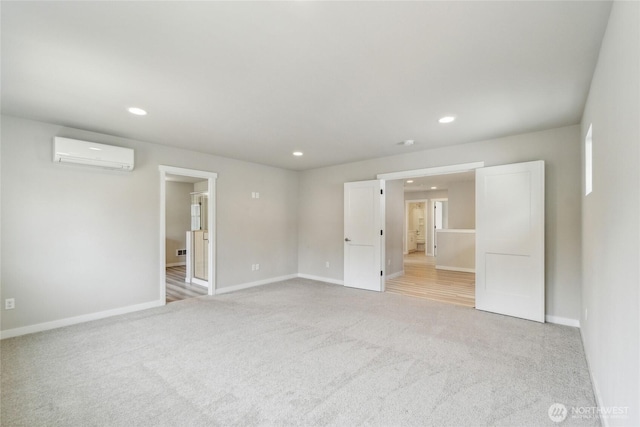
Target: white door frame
(406,221)
(433,223)
(211,220)
(438,170)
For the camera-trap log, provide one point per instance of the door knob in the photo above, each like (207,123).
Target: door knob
(347,239)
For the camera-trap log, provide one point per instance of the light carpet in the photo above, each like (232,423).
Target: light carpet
(297,352)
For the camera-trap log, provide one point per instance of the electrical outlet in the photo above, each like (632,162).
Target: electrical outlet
(257,266)
(326,264)
(253,267)
(9,303)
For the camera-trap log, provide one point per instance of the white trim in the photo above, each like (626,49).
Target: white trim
(39,327)
(439,170)
(462,269)
(455,230)
(562,321)
(406,224)
(594,383)
(188,275)
(234,288)
(199,282)
(321,279)
(175,264)
(394,275)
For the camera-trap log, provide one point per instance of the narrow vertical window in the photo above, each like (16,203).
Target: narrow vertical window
(588,162)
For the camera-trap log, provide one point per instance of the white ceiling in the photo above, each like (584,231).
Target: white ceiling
(340,81)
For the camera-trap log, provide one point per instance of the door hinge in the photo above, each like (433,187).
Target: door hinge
(381,232)
(381,191)
(380,272)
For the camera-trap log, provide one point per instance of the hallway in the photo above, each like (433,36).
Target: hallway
(177,289)
(422,280)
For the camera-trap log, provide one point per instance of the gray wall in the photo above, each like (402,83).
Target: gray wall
(610,216)
(321,204)
(433,194)
(80,240)
(178,218)
(462,205)
(394,226)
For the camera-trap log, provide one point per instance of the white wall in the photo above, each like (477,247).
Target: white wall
(321,204)
(462,205)
(78,240)
(610,219)
(394,227)
(178,219)
(419,195)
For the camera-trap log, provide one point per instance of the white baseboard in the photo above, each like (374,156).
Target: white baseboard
(234,288)
(464,270)
(39,327)
(562,321)
(321,279)
(175,264)
(594,383)
(394,275)
(199,282)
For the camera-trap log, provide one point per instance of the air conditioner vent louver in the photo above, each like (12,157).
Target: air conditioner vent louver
(74,151)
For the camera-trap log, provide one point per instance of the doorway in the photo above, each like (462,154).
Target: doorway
(426,273)
(510,243)
(416,226)
(187,233)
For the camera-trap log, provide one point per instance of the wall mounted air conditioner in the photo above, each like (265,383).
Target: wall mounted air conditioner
(67,150)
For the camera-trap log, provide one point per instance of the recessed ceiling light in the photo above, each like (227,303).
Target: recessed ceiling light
(137,111)
(409,181)
(446,119)
(298,153)
(434,188)
(407,142)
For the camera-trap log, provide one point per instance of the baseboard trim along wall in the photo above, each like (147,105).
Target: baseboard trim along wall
(594,384)
(394,275)
(175,264)
(234,288)
(39,327)
(321,279)
(562,321)
(198,282)
(9,333)
(462,269)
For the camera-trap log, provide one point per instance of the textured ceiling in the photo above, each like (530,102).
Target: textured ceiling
(340,81)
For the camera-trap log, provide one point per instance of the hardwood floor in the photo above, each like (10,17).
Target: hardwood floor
(177,289)
(423,280)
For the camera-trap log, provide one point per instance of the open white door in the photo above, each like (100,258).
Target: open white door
(363,229)
(510,240)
